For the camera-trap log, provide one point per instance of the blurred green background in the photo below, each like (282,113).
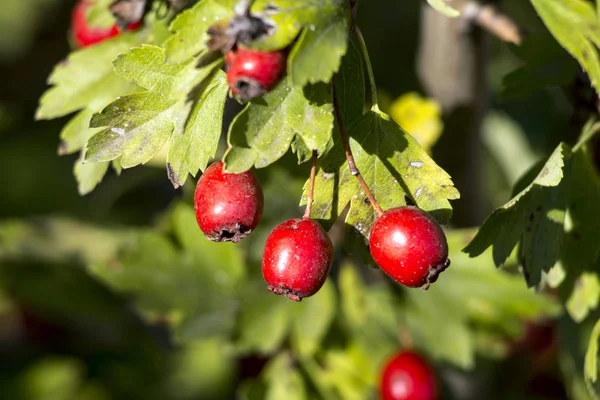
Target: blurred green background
(115,295)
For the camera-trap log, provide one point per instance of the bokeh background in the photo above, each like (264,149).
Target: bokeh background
(73,327)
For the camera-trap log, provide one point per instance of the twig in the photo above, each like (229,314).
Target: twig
(311,185)
(350,158)
(489,18)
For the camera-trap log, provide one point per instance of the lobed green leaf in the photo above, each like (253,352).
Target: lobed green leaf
(265,129)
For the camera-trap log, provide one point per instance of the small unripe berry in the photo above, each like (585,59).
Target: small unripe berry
(409,246)
(85,35)
(228,206)
(253,73)
(297,258)
(407,376)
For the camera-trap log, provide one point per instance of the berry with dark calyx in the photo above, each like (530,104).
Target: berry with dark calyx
(228,206)
(407,376)
(85,35)
(297,258)
(253,73)
(409,246)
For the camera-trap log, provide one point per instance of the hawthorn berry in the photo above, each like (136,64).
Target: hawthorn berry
(253,73)
(85,35)
(407,376)
(297,258)
(409,246)
(228,206)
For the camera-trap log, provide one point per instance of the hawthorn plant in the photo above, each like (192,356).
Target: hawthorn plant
(150,81)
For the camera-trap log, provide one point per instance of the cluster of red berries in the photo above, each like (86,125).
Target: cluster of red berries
(405,242)
(298,253)
(84,35)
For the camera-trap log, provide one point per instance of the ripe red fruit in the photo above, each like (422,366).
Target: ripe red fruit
(228,206)
(252,73)
(297,258)
(407,376)
(409,246)
(85,35)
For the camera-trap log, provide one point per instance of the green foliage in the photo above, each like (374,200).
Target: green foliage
(158,94)
(193,289)
(574,24)
(546,65)
(550,219)
(592,359)
(535,217)
(264,131)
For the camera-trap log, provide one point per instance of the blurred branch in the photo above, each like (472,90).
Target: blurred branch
(492,20)
(452,66)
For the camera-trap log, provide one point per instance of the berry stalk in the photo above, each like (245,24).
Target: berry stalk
(311,185)
(350,157)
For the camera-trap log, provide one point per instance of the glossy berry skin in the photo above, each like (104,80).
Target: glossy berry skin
(407,376)
(228,206)
(252,73)
(297,258)
(85,35)
(409,246)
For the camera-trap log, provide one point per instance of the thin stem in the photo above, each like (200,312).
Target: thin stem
(365,52)
(350,157)
(489,18)
(311,185)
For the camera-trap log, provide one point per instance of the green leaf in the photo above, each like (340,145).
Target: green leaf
(325,38)
(546,65)
(168,284)
(393,166)
(585,296)
(350,372)
(79,83)
(592,359)
(76,132)
(265,320)
(455,343)
(283,380)
(443,7)
(225,260)
(580,249)
(146,67)
(193,146)
(313,320)
(189,38)
(574,24)
(350,83)
(369,314)
(138,127)
(89,175)
(473,299)
(535,217)
(265,129)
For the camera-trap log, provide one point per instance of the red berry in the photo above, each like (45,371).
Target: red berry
(297,258)
(253,73)
(409,246)
(228,206)
(85,35)
(407,376)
